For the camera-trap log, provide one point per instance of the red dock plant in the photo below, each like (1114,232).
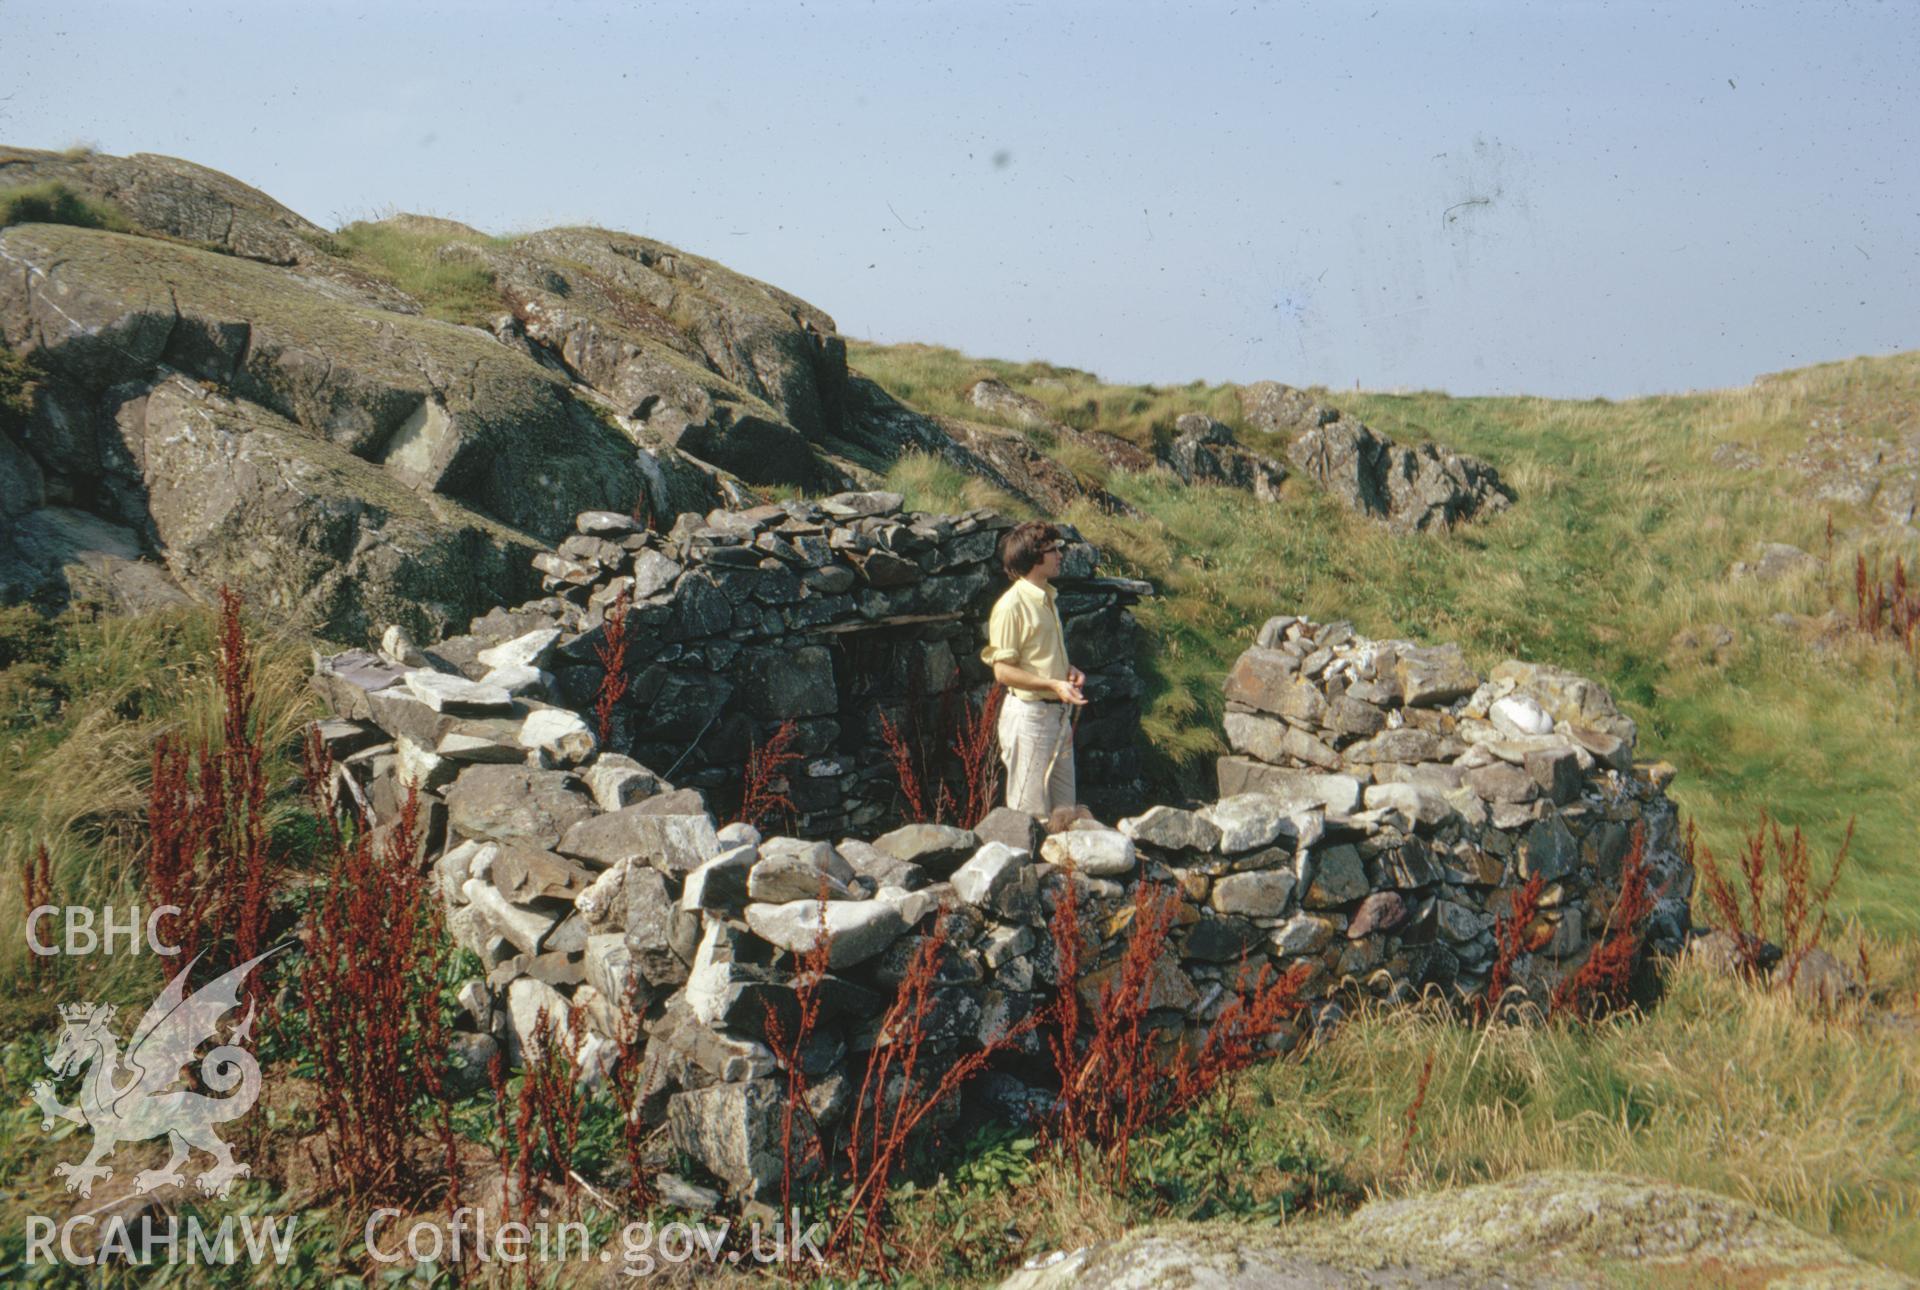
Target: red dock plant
(1412,1113)
(961,748)
(1511,939)
(374,958)
(207,823)
(1891,608)
(36,889)
(1604,981)
(764,791)
(1768,859)
(611,650)
(1127,1075)
(897,1094)
(546,1127)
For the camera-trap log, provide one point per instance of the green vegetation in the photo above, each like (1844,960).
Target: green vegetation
(1621,538)
(1723,1087)
(434,261)
(82,699)
(17,379)
(55,203)
(934,379)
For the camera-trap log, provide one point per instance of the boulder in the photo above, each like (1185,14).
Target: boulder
(1261,894)
(734,1131)
(1531,1232)
(990,870)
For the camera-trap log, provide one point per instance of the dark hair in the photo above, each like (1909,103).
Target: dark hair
(1024,544)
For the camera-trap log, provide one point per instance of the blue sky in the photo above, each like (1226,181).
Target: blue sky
(1562,198)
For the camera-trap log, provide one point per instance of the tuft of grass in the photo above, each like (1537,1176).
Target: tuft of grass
(52,202)
(433,263)
(17,382)
(930,484)
(1723,1086)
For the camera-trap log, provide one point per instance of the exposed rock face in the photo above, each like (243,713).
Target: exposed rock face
(729,370)
(1880,473)
(422,458)
(175,198)
(102,310)
(1409,489)
(1531,1232)
(236,494)
(1204,451)
(579,877)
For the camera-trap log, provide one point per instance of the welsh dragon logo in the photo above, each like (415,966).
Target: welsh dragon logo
(133,1098)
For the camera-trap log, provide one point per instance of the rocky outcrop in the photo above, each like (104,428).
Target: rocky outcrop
(620,374)
(883,428)
(726,369)
(1410,490)
(442,408)
(1204,451)
(583,876)
(170,198)
(1532,1232)
(1878,473)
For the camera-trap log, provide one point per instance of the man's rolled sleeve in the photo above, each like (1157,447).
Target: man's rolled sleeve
(1006,636)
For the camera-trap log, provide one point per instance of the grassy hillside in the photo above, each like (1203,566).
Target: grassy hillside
(1621,539)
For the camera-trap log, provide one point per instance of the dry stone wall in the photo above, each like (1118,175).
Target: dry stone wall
(829,614)
(1382,803)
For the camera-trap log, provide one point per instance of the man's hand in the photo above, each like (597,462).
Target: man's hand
(1075,675)
(1069,690)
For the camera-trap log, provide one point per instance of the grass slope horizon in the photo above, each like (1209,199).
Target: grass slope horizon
(1621,539)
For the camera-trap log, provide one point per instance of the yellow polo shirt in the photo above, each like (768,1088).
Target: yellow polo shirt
(1024,630)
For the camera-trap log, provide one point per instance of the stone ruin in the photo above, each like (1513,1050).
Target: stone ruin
(1381,805)
(829,614)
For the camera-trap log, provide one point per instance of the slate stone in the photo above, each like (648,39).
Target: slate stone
(516,804)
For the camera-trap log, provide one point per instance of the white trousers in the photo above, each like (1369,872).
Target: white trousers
(1036,747)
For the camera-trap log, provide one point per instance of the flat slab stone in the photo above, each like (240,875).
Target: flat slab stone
(529,650)
(1338,794)
(675,843)
(515,804)
(445,693)
(859,930)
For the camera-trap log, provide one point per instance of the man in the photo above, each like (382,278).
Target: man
(1028,653)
